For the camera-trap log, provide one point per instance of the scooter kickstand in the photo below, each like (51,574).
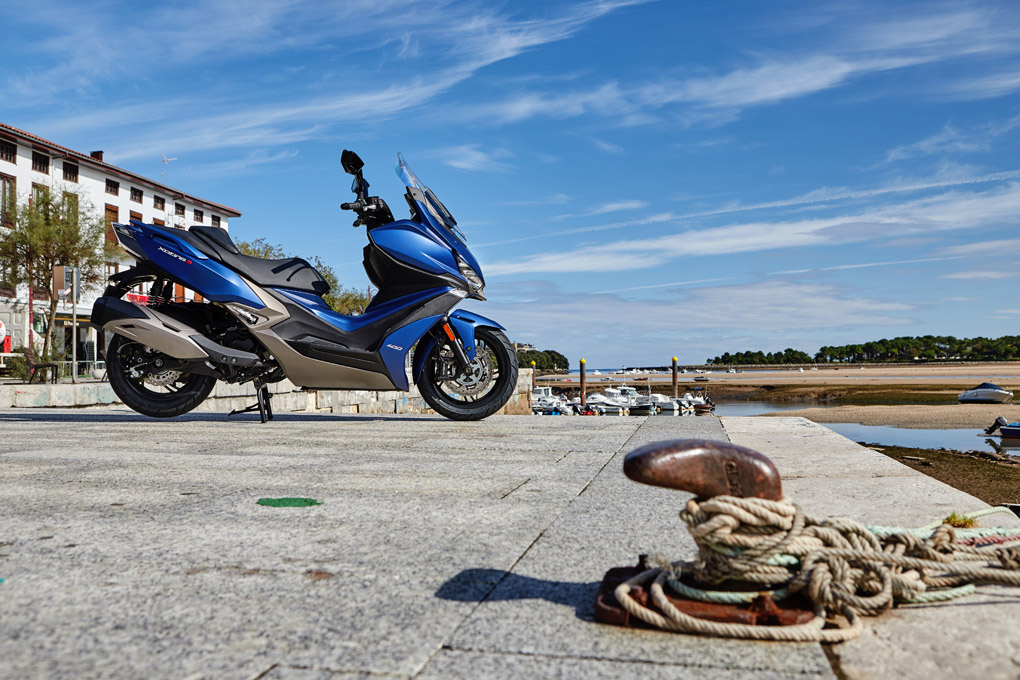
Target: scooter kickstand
(263,404)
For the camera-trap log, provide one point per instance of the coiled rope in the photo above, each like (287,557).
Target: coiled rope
(842,566)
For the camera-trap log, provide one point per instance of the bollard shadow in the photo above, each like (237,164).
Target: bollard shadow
(496,585)
(94,415)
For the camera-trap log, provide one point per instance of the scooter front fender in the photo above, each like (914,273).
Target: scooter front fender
(464,324)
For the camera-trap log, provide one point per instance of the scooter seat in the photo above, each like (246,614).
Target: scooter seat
(289,272)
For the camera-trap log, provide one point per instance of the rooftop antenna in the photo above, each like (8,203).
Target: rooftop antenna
(162,173)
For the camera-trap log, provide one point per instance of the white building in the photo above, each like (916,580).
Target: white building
(29,163)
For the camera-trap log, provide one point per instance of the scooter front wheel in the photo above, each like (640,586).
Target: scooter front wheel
(480,390)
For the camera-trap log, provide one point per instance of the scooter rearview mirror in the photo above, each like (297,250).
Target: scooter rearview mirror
(351,162)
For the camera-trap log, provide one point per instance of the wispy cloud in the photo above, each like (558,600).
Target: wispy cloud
(673,284)
(945,212)
(980,248)
(886,43)
(947,140)
(462,38)
(247,163)
(554,199)
(982,275)
(817,197)
(622,323)
(950,140)
(473,158)
(985,87)
(862,265)
(608,147)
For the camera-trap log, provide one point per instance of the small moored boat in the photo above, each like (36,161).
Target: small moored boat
(985,393)
(1007,430)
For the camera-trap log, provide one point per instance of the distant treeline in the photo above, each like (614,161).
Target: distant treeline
(547,359)
(924,348)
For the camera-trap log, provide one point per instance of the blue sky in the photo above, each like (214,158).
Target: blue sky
(637,179)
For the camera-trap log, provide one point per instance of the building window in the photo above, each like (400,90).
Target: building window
(71,206)
(178,210)
(159,203)
(199,216)
(112,215)
(7,288)
(40,162)
(136,195)
(216,220)
(135,215)
(112,187)
(40,193)
(8,151)
(8,199)
(159,223)
(70,172)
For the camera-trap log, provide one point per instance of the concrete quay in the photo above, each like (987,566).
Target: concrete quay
(134,548)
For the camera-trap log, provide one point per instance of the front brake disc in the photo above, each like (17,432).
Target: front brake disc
(476,378)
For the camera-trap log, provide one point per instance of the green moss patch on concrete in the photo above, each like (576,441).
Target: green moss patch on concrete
(288,502)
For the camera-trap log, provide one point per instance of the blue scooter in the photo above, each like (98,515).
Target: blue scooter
(265,320)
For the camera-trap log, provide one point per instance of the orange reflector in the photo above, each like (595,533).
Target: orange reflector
(449,332)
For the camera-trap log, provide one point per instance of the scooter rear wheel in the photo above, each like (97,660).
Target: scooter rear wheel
(479,391)
(134,376)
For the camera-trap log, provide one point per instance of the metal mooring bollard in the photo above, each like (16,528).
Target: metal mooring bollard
(706,469)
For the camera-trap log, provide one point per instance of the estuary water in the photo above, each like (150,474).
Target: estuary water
(961,440)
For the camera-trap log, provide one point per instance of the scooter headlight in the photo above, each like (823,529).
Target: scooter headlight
(473,279)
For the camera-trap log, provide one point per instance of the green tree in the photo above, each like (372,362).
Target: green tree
(541,359)
(48,231)
(557,360)
(351,301)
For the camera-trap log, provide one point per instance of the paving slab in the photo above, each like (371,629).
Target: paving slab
(133,547)
(973,637)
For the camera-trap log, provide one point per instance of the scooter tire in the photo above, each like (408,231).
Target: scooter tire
(138,397)
(505,357)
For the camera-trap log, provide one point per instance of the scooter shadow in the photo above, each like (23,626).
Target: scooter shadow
(84,416)
(496,585)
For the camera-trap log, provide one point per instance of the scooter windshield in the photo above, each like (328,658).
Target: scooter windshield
(431,202)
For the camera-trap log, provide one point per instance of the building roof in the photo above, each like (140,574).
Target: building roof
(86,159)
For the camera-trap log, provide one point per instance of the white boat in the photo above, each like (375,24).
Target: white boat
(662,403)
(698,402)
(614,401)
(545,402)
(985,393)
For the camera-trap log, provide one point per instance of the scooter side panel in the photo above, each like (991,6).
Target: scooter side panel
(397,344)
(312,373)
(206,276)
(320,309)
(411,243)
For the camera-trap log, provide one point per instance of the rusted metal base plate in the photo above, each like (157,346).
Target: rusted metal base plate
(763,611)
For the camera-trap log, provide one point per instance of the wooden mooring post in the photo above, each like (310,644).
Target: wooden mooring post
(584,397)
(675,394)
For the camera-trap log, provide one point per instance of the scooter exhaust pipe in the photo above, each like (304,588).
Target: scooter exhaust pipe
(164,333)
